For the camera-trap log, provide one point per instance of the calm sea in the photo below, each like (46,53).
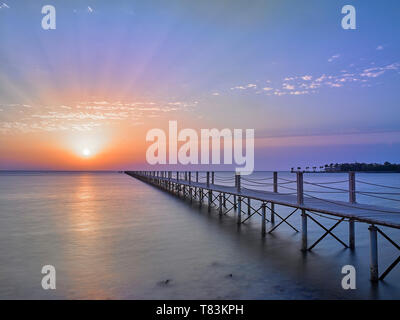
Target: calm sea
(110,236)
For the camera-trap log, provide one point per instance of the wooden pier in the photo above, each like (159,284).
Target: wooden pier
(226,198)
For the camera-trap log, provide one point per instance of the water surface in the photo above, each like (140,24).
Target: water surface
(110,236)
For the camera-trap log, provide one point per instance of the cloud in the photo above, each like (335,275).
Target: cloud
(379,48)
(215,94)
(247,86)
(89,9)
(378,71)
(334,57)
(313,83)
(4,5)
(296,93)
(288,86)
(84,116)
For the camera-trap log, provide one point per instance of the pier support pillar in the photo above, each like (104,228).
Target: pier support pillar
(275,190)
(374,274)
(239,217)
(234,202)
(220,203)
(209,200)
(303,230)
(248,206)
(224,198)
(352,242)
(272,213)
(263,219)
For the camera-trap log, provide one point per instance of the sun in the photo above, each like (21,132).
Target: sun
(86,152)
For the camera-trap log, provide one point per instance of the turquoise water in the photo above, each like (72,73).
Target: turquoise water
(110,236)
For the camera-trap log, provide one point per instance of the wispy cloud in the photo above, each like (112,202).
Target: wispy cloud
(334,57)
(378,71)
(310,84)
(288,86)
(84,116)
(244,87)
(379,48)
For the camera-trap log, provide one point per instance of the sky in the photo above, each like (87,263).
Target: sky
(83,96)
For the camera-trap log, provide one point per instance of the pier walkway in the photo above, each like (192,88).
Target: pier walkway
(226,198)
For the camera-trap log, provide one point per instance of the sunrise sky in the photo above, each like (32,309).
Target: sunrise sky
(84,95)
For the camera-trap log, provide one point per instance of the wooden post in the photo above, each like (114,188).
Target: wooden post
(263,219)
(190,177)
(352,187)
(208,178)
(197,176)
(238,182)
(300,195)
(212,177)
(374,274)
(275,190)
(186,175)
(303,230)
(351,234)
(177,175)
(248,206)
(234,202)
(239,217)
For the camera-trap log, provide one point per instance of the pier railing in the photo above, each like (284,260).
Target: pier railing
(298,186)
